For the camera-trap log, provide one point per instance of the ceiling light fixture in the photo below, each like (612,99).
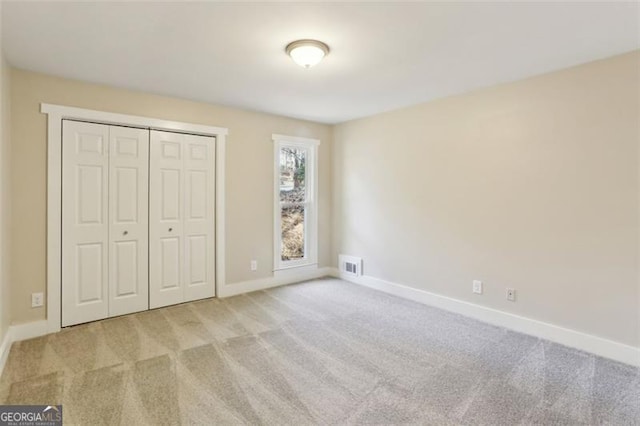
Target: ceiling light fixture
(307,53)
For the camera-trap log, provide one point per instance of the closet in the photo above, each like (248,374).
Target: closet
(137,219)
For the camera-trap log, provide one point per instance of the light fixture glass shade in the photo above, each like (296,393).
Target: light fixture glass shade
(307,53)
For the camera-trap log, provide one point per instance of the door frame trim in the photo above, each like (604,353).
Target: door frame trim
(55,115)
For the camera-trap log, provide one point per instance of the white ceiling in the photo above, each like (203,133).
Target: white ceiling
(383,55)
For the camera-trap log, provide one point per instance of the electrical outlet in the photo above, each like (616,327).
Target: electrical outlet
(254,265)
(477,287)
(37,300)
(511,294)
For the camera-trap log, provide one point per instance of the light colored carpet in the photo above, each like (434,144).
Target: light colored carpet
(321,352)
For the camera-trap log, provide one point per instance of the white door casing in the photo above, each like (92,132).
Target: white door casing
(182,220)
(85,236)
(128,220)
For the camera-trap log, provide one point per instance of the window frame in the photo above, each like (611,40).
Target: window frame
(310,260)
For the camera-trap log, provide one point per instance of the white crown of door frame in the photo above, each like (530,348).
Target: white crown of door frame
(55,115)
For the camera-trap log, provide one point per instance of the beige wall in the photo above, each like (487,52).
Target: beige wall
(532,185)
(249,180)
(5,191)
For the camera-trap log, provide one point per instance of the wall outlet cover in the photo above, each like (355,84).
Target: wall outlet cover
(511,294)
(37,300)
(477,286)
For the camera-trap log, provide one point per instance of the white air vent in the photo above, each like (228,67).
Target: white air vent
(350,265)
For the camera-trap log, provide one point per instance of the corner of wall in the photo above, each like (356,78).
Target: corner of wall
(332,210)
(336,195)
(5,190)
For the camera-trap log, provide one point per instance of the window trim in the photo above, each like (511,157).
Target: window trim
(311,208)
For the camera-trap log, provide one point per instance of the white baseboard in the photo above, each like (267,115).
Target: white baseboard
(263,283)
(572,338)
(18,332)
(29,330)
(5,347)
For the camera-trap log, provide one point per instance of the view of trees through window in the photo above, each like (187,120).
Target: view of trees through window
(292,202)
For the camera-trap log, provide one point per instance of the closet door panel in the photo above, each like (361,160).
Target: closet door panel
(129,220)
(166,202)
(199,224)
(85,227)
(126,269)
(170,263)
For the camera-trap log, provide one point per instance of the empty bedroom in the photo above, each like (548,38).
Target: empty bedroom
(331,213)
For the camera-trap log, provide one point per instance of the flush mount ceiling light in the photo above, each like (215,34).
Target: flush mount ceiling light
(307,53)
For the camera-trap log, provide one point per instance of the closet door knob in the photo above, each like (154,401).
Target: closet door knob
(125,232)
(170,229)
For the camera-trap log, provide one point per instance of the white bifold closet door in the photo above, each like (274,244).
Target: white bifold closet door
(182,218)
(104,221)
(128,220)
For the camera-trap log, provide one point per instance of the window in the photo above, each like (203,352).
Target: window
(295,214)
